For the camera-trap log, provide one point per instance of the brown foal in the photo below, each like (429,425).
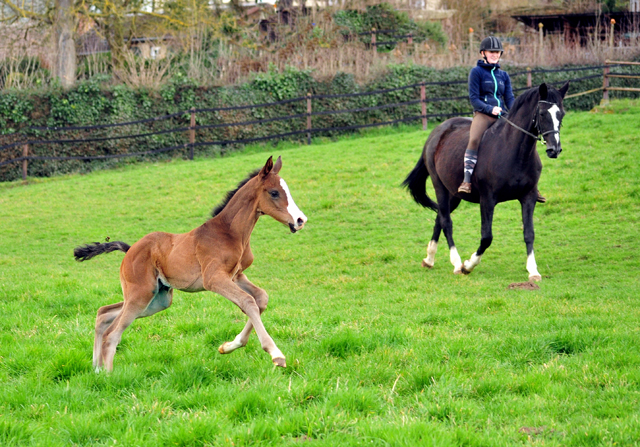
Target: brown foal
(211,257)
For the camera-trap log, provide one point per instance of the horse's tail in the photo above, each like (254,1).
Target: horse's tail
(86,252)
(416,183)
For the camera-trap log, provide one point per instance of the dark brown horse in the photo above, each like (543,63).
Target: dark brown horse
(508,168)
(211,257)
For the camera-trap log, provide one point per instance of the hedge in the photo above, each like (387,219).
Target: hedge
(90,103)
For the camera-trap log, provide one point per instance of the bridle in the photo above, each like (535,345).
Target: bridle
(536,120)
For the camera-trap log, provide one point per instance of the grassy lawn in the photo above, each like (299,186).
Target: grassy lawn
(379,350)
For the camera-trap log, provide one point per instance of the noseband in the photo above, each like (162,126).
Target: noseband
(536,120)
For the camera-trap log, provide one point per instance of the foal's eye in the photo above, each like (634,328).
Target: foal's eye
(274,194)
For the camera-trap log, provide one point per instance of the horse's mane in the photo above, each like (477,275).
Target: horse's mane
(218,209)
(524,98)
(531,93)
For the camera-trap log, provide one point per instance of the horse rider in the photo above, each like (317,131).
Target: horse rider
(490,94)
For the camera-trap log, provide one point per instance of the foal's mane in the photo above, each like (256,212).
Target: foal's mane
(218,209)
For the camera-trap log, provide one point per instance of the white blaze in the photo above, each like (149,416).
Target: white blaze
(292,208)
(553,111)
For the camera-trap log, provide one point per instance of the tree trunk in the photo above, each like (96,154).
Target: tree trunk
(65,65)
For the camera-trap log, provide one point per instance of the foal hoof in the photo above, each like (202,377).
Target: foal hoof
(279,361)
(536,278)
(226,348)
(425,264)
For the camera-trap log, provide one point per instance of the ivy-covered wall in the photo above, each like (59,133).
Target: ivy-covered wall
(89,104)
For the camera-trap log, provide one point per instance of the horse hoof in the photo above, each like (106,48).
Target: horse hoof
(457,271)
(535,278)
(464,271)
(280,361)
(426,264)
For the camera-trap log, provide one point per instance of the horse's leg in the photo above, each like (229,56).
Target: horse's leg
(432,248)
(106,315)
(486,212)
(261,298)
(528,204)
(221,284)
(444,216)
(142,299)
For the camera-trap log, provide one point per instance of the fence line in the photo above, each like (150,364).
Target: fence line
(310,113)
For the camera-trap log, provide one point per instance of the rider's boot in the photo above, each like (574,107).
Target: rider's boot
(540,198)
(470,160)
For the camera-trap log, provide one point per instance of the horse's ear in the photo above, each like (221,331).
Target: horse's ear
(277,166)
(268,166)
(564,89)
(544,91)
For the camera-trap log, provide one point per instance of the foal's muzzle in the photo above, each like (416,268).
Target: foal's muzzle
(298,225)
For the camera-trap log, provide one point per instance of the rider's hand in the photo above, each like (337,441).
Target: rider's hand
(496,110)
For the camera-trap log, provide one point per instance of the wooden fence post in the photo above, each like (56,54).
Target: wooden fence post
(613,25)
(529,77)
(410,39)
(605,83)
(374,48)
(423,105)
(541,39)
(309,118)
(192,132)
(25,153)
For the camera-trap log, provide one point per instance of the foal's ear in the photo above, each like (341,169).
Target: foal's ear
(268,166)
(277,166)
(544,91)
(564,89)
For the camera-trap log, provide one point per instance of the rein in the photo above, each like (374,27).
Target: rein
(540,135)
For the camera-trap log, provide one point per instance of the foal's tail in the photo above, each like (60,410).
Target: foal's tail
(416,183)
(86,252)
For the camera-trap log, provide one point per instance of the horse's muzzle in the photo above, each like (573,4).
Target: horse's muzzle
(553,152)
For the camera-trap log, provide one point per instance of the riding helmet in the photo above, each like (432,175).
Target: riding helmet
(491,44)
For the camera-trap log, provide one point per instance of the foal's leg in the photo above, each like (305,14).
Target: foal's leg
(486,212)
(221,284)
(432,248)
(261,298)
(106,315)
(142,299)
(528,204)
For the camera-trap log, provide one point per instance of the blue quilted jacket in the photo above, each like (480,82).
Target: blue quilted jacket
(489,87)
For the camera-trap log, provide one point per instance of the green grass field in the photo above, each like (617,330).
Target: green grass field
(380,351)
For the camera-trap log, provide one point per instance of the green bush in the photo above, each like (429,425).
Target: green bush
(384,17)
(91,104)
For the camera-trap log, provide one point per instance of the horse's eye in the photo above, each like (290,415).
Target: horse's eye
(274,194)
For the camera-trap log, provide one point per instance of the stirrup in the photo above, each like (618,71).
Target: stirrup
(465,187)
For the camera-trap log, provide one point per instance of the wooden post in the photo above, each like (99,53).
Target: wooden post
(25,153)
(605,83)
(410,40)
(309,119)
(613,25)
(541,39)
(528,77)
(471,52)
(192,132)
(423,105)
(373,41)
